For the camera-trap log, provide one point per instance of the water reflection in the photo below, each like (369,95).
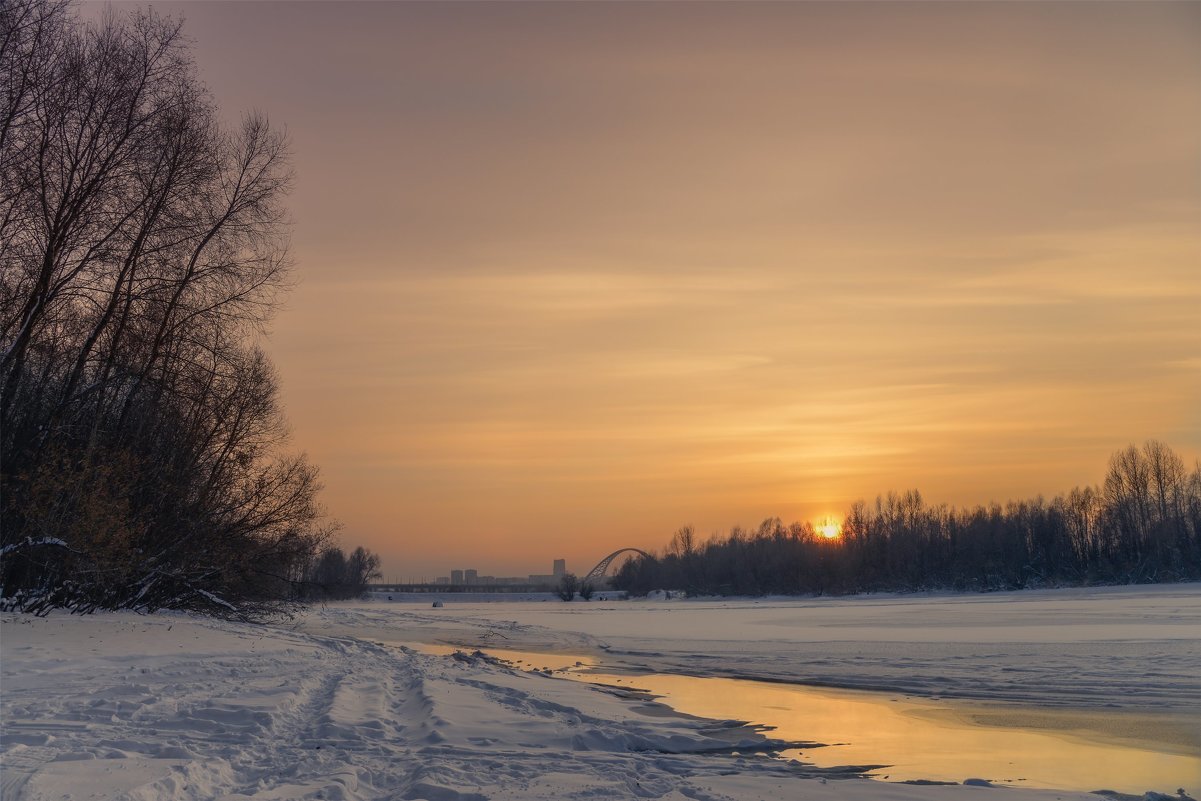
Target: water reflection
(938,741)
(923,739)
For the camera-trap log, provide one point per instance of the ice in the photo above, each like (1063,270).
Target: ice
(334,706)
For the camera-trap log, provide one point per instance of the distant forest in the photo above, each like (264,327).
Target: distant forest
(1142,524)
(143,250)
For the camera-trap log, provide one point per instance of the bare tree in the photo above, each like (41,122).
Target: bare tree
(1128,497)
(142,248)
(567,586)
(335,575)
(1143,525)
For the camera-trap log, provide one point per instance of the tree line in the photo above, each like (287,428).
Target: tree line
(143,250)
(335,576)
(1141,524)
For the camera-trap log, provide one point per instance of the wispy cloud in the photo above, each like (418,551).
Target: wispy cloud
(609,269)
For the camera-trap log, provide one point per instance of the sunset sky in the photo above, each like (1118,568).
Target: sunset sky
(571,275)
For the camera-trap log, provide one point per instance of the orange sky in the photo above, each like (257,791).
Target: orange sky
(574,275)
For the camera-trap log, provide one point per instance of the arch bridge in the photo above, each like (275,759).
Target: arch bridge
(597,573)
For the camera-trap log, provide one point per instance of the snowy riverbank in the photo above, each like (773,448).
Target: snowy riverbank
(330,707)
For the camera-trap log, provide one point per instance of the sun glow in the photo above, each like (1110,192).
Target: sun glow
(829,528)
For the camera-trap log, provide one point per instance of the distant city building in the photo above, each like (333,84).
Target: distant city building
(466,576)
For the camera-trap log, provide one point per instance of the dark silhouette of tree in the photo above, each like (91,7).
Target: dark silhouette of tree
(567,586)
(336,576)
(143,245)
(1143,524)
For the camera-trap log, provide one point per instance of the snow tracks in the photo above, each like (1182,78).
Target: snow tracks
(170,707)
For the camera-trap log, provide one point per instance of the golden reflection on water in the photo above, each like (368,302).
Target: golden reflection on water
(923,738)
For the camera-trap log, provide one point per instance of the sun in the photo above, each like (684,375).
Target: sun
(829,528)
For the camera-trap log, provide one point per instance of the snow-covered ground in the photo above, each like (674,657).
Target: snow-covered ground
(330,706)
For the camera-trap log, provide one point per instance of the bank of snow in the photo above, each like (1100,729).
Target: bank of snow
(169,707)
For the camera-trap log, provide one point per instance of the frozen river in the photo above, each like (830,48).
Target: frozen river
(1070,689)
(368,701)
(1131,647)
(903,738)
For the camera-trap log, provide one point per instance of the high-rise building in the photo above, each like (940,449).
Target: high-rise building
(456,577)
(560,567)
(470,577)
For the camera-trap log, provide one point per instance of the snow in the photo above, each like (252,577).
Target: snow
(217,601)
(30,542)
(334,706)
(1134,647)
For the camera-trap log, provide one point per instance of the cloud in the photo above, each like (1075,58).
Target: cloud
(655,263)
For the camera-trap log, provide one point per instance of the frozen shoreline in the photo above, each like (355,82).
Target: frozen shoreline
(1130,647)
(166,706)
